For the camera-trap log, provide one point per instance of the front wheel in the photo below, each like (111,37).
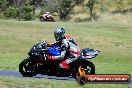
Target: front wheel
(26,68)
(88,67)
(52,20)
(85,68)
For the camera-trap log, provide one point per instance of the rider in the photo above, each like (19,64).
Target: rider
(46,15)
(69,49)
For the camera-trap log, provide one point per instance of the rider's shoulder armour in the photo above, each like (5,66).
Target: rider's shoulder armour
(64,45)
(70,39)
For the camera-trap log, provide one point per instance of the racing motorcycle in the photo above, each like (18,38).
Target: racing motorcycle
(50,19)
(38,62)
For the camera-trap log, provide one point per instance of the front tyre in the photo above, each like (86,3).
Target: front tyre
(81,80)
(90,67)
(25,68)
(52,19)
(86,68)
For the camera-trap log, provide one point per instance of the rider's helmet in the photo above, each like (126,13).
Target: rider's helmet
(59,34)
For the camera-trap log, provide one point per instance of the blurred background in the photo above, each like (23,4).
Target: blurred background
(68,10)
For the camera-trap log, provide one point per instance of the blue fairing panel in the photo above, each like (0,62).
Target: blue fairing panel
(54,51)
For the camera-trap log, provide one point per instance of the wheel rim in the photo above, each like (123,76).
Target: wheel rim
(26,69)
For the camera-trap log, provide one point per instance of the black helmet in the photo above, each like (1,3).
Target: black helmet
(59,34)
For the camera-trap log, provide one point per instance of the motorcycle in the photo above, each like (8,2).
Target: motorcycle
(38,62)
(50,18)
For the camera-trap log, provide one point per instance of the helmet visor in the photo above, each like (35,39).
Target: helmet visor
(57,36)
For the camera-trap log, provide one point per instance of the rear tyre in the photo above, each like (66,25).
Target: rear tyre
(26,69)
(41,19)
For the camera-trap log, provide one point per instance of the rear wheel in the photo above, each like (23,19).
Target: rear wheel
(26,68)
(41,19)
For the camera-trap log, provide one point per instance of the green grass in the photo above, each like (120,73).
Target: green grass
(114,40)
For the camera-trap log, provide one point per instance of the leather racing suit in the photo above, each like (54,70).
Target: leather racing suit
(69,52)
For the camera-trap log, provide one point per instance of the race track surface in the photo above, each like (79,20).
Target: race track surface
(17,74)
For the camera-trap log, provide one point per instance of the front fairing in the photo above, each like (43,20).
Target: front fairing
(36,49)
(88,53)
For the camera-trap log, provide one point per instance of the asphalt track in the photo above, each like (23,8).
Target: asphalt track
(14,73)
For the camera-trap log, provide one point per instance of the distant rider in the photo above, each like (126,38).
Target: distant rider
(69,49)
(47,15)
